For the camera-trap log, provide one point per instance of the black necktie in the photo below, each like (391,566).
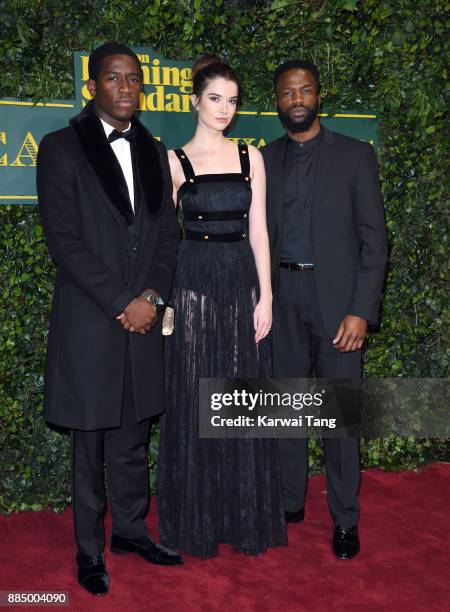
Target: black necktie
(128,135)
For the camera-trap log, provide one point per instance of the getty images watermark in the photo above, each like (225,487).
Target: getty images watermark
(334,408)
(255,401)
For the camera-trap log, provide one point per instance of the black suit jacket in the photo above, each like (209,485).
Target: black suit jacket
(85,211)
(348,227)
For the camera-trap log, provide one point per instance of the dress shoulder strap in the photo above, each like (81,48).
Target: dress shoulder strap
(244,159)
(186,165)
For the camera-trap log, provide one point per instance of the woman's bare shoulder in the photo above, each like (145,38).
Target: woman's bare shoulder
(254,152)
(176,168)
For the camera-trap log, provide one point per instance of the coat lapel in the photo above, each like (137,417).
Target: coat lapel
(149,169)
(102,159)
(149,174)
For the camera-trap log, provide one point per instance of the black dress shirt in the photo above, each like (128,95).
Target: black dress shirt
(299,170)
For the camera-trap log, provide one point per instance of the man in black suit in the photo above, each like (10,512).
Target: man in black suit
(105,198)
(328,247)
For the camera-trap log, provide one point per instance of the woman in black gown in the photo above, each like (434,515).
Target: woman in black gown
(217,490)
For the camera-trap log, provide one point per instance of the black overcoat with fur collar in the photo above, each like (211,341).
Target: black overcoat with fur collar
(85,211)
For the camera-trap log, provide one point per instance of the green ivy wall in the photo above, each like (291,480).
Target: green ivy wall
(373,55)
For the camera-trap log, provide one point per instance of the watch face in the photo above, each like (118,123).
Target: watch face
(156,301)
(153,298)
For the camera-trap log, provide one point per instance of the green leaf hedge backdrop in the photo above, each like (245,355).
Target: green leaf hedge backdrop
(373,55)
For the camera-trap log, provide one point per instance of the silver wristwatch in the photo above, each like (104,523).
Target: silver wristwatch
(153,298)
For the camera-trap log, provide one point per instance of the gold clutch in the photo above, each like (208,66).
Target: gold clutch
(168,321)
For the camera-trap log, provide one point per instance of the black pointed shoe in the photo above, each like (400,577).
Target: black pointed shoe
(297,516)
(146,548)
(92,574)
(345,542)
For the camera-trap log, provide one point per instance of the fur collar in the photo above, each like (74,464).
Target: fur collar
(91,135)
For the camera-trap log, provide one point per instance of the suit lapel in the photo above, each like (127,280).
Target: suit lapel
(325,158)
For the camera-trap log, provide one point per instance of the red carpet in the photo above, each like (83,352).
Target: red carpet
(403,564)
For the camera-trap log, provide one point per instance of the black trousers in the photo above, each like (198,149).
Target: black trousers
(124,452)
(302,345)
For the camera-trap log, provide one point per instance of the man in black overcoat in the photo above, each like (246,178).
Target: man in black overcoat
(328,248)
(104,193)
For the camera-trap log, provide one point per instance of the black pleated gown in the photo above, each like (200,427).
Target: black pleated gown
(215,490)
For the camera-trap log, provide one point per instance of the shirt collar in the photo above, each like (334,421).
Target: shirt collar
(307,145)
(109,128)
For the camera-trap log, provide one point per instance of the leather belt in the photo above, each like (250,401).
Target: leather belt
(205,237)
(297,267)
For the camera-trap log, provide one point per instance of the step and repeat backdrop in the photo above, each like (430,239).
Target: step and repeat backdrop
(164,109)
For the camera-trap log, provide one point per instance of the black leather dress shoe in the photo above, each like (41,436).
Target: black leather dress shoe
(345,542)
(146,548)
(92,574)
(295,517)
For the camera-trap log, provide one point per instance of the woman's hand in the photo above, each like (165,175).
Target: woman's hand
(262,319)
